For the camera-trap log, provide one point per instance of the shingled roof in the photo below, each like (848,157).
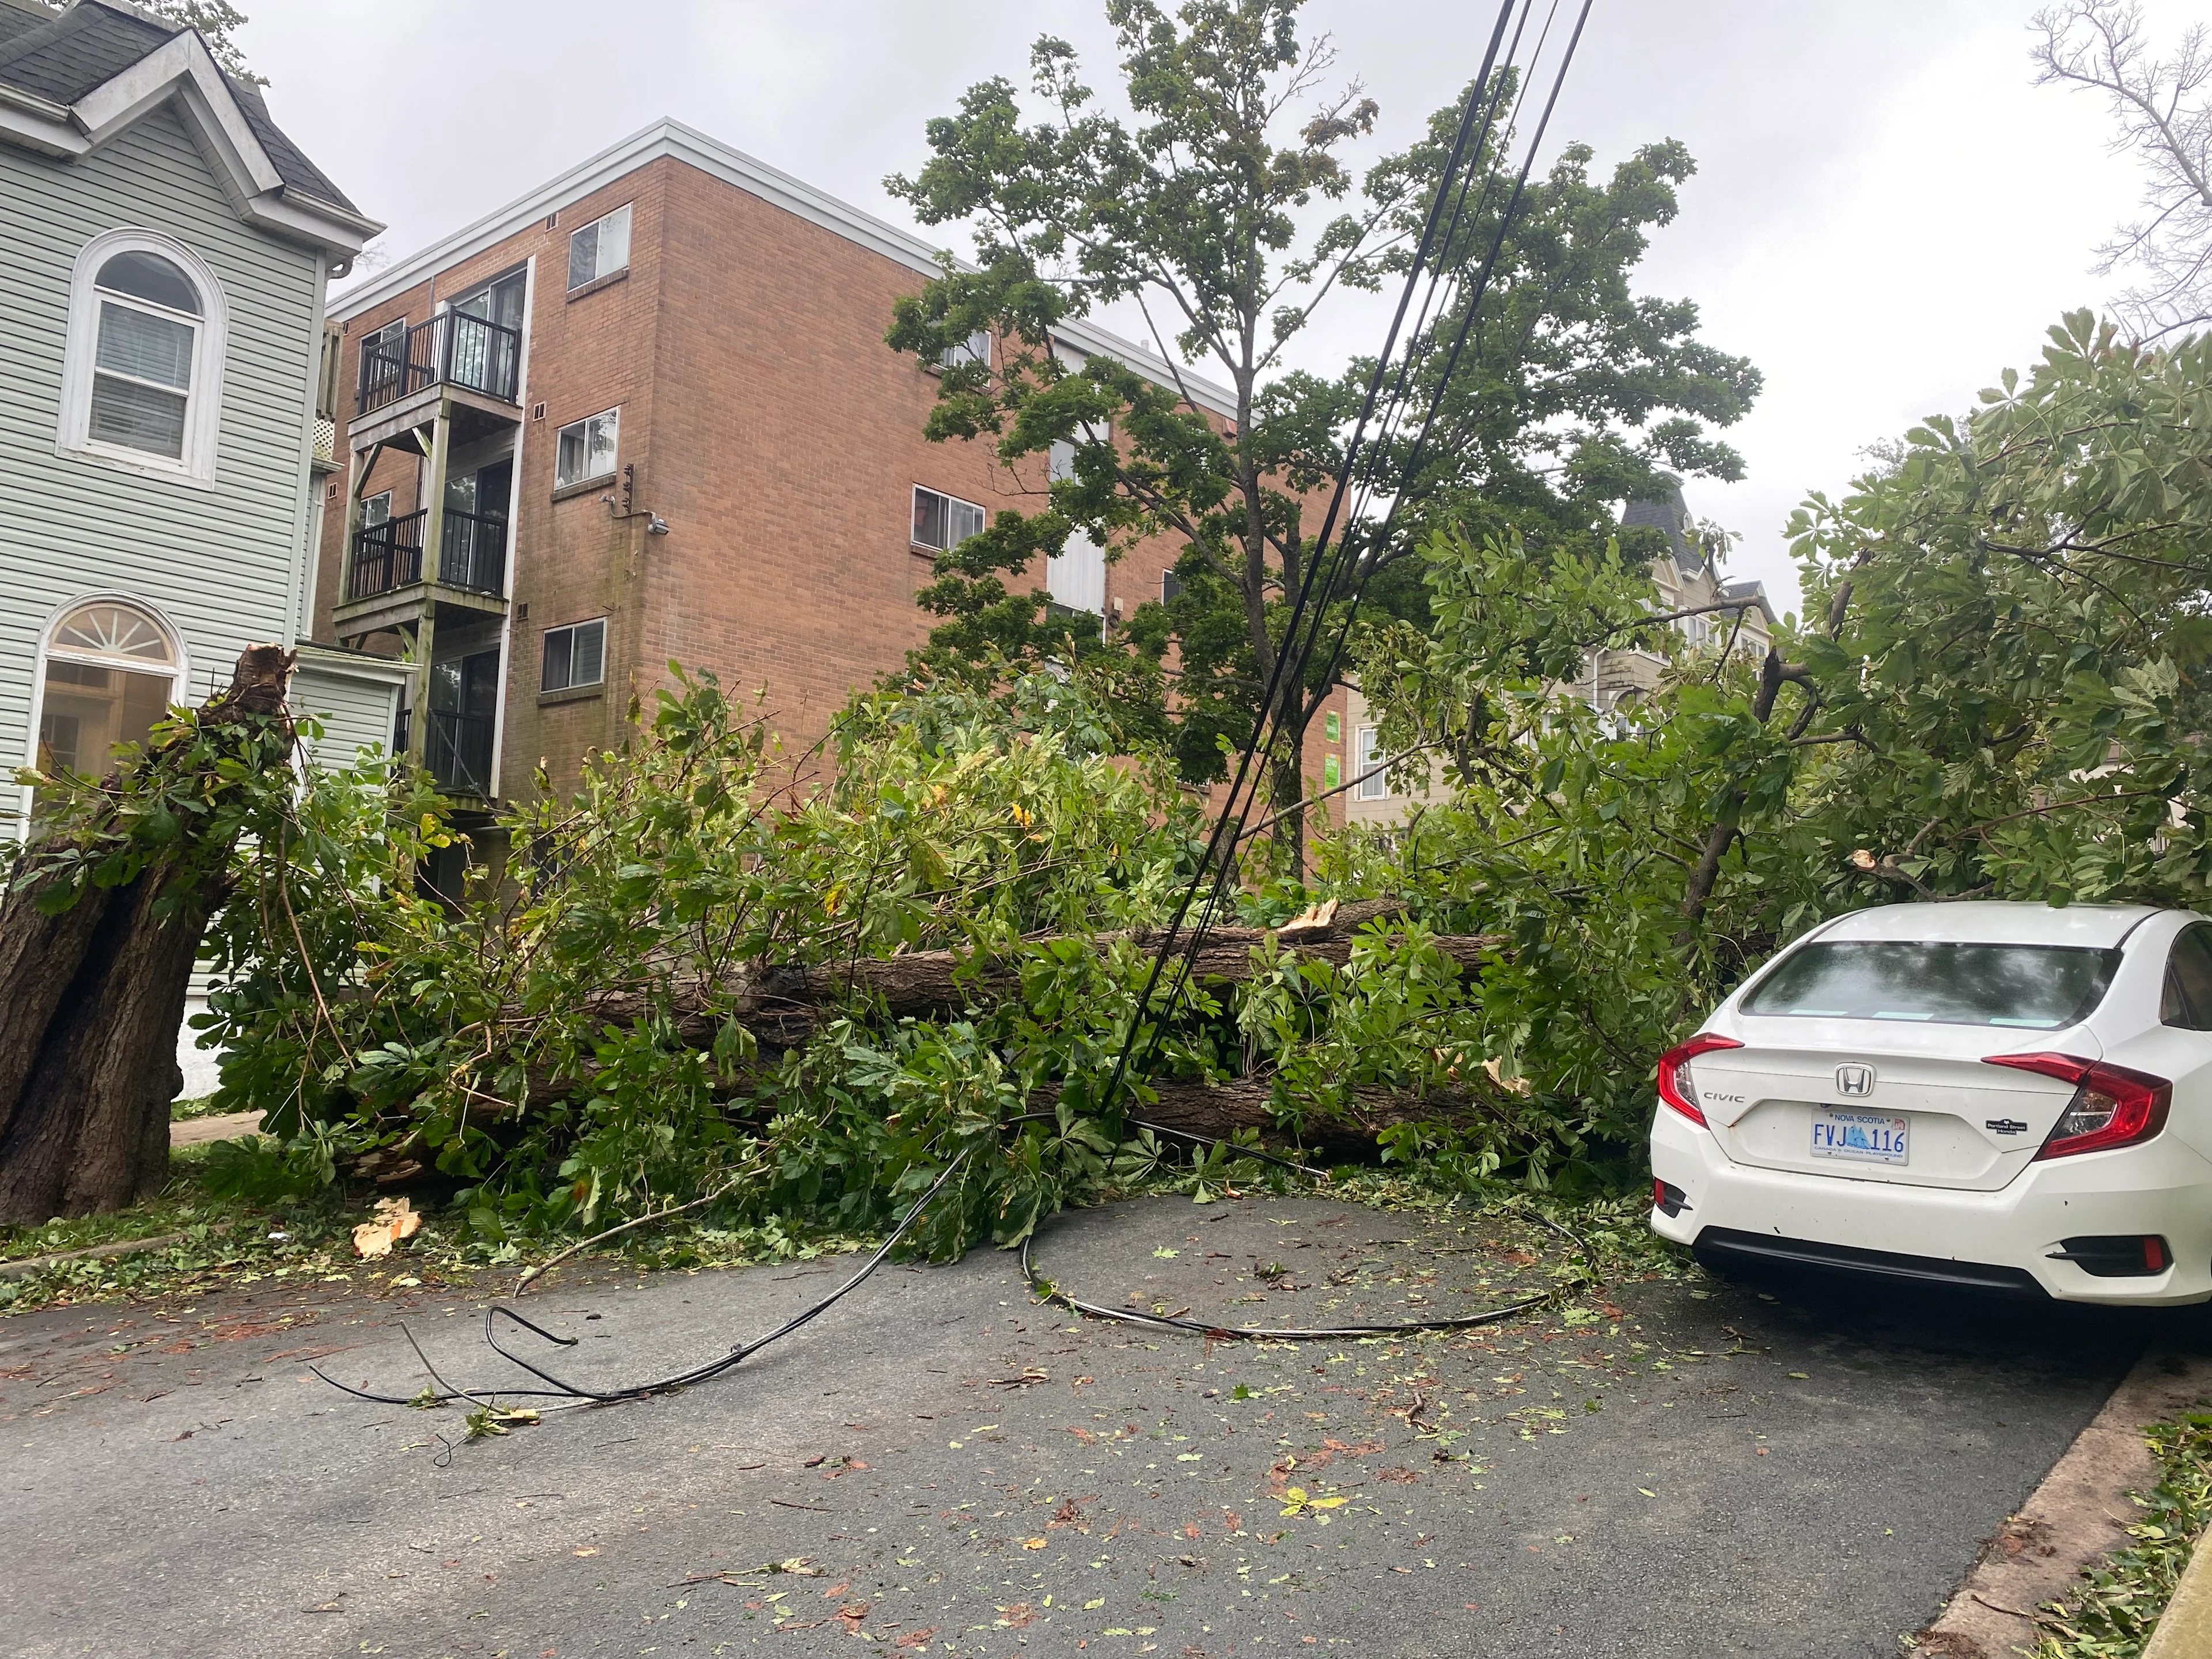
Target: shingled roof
(1670,516)
(62,56)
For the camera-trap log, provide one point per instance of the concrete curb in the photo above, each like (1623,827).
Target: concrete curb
(29,1265)
(2079,1514)
(2184,1629)
(198,1131)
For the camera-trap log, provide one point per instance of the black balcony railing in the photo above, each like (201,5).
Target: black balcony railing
(457,748)
(386,555)
(473,553)
(453,348)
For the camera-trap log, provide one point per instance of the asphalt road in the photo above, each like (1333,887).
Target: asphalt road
(1786,1470)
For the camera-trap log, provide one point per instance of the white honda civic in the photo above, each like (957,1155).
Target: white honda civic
(2009,1097)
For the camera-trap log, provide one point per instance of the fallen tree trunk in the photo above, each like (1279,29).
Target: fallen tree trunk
(92,981)
(779,1003)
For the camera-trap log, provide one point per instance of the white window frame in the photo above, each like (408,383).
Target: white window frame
(1367,752)
(203,399)
(570,629)
(181,668)
(601,273)
(614,467)
(919,490)
(975,349)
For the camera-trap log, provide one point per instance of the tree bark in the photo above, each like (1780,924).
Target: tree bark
(92,999)
(1697,891)
(779,1003)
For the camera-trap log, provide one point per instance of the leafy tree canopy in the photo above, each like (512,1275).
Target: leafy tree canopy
(2001,692)
(1224,213)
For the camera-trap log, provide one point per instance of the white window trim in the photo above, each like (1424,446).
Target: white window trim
(964,351)
(630,242)
(570,629)
(203,402)
(1367,755)
(180,689)
(946,494)
(613,470)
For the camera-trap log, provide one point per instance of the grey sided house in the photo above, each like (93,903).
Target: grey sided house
(164,251)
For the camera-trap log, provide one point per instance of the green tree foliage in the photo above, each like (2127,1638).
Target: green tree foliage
(585,1037)
(2002,693)
(1225,213)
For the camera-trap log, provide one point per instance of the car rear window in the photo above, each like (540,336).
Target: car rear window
(2037,987)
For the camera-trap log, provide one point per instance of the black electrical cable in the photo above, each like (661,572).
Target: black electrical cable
(1295,651)
(1298,651)
(1459,345)
(1046,1291)
(1215,854)
(681,1379)
(1411,466)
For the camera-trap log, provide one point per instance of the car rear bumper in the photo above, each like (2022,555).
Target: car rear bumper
(1992,1241)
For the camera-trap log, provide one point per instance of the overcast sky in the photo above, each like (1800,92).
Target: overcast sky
(1887,211)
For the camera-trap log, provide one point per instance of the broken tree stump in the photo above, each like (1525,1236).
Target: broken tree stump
(94,972)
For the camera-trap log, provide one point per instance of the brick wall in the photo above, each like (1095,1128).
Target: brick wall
(768,425)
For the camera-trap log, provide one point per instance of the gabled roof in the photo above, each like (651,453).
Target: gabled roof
(71,79)
(1748,589)
(669,137)
(1669,515)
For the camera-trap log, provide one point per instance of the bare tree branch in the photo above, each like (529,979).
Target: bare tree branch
(2162,114)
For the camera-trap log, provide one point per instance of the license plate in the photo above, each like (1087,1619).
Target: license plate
(1864,1137)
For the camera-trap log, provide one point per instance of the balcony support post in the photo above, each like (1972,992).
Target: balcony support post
(359,465)
(433,556)
(418,688)
(433,526)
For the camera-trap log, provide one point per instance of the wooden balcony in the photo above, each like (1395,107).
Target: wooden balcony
(387,583)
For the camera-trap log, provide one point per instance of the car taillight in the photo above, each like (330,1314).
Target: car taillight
(2112,1106)
(1675,1085)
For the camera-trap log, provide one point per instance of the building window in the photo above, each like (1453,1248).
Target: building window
(1170,587)
(975,349)
(586,450)
(143,373)
(575,655)
(111,670)
(383,362)
(600,249)
(942,522)
(1371,759)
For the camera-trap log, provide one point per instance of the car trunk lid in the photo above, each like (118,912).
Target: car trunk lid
(1858,1100)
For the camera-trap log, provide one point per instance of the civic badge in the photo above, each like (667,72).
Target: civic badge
(1854,1081)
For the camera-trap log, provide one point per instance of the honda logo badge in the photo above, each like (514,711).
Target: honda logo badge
(1855,1082)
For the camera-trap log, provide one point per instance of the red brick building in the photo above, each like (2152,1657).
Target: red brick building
(645,414)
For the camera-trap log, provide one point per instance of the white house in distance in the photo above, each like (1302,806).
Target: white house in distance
(1687,578)
(167,250)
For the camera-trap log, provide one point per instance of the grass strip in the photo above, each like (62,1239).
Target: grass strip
(2113,1616)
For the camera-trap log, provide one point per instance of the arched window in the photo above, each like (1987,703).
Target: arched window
(112,671)
(142,384)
